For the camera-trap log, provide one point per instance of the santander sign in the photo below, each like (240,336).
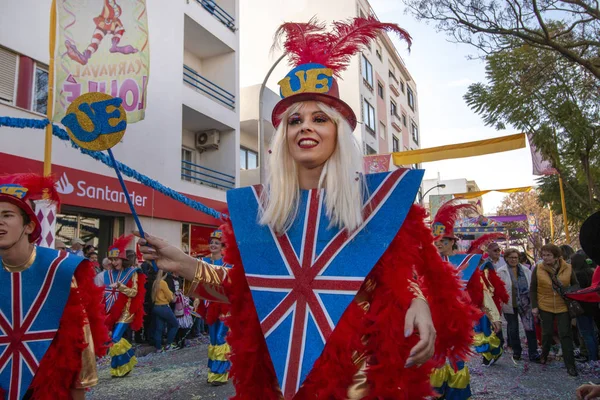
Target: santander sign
(101,193)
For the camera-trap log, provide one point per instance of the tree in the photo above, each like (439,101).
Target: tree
(538,92)
(491,26)
(529,203)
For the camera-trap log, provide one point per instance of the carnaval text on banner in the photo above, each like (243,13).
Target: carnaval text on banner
(103,47)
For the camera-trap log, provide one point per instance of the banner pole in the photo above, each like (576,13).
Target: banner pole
(50,103)
(564,209)
(551,225)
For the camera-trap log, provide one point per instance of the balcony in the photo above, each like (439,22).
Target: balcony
(396,122)
(207,87)
(219,13)
(205,176)
(212,162)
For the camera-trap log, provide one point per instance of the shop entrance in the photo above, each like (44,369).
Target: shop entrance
(98,229)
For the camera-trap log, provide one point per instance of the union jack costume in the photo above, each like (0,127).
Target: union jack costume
(51,321)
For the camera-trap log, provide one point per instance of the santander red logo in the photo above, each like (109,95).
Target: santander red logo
(81,188)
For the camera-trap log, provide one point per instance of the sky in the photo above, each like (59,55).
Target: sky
(443,73)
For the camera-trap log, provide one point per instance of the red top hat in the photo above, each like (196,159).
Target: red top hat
(319,57)
(117,250)
(589,238)
(21,189)
(443,223)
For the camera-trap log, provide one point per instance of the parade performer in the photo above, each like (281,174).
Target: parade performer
(51,317)
(452,382)
(108,22)
(214,313)
(334,272)
(489,341)
(125,289)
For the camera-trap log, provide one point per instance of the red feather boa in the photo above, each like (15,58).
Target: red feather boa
(500,293)
(61,365)
(411,251)
(136,307)
(475,289)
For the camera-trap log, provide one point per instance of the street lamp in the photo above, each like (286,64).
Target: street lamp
(441,186)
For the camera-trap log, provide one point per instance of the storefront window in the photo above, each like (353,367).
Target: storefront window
(195,238)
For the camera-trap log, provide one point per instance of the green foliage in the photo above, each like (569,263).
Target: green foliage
(558,105)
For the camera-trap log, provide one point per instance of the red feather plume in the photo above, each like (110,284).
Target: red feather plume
(309,43)
(38,187)
(484,240)
(122,242)
(449,212)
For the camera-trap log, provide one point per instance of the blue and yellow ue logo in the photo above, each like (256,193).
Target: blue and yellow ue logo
(306,78)
(438,229)
(96,121)
(14,190)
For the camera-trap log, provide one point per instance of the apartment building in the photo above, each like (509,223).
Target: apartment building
(440,187)
(188,141)
(376,84)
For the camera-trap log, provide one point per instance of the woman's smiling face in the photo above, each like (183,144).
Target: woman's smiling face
(311,136)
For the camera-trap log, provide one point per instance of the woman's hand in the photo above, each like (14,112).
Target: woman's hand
(588,392)
(497,326)
(168,257)
(418,317)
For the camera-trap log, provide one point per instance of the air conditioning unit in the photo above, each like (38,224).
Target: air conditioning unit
(208,140)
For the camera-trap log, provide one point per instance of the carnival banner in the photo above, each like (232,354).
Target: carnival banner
(540,165)
(102,46)
(377,163)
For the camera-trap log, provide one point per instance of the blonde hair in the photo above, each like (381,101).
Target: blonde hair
(341,176)
(156,285)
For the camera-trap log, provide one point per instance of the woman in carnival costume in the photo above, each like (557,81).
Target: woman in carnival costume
(124,301)
(52,319)
(314,315)
(489,341)
(214,314)
(452,382)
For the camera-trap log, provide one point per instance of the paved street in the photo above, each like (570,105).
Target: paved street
(182,375)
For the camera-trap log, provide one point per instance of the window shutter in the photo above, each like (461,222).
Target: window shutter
(8,70)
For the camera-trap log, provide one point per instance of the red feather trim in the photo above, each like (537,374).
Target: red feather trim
(449,212)
(214,311)
(137,303)
(121,243)
(38,187)
(452,315)
(309,43)
(475,289)
(500,293)
(484,240)
(60,367)
(248,347)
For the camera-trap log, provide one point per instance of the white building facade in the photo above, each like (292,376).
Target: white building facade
(377,84)
(188,141)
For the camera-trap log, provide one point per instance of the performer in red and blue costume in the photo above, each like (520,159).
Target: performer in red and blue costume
(334,272)
(452,382)
(214,314)
(124,301)
(51,321)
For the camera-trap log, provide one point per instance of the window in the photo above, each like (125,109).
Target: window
(369,117)
(415,132)
(393,76)
(8,73)
(395,144)
(393,108)
(40,90)
(411,98)
(380,90)
(401,85)
(367,72)
(369,150)
(187,158)
(378,51)
(248,159)
(381,130)
(404,119)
